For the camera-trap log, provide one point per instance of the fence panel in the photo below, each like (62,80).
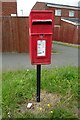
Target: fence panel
(5,34)
(15,34)
(23,30)
(56,35)
(0,34)
(67,33)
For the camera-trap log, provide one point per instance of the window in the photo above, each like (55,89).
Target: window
(58,12)
(71,13)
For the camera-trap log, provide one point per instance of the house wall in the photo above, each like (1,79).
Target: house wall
(64,13)
(9,8)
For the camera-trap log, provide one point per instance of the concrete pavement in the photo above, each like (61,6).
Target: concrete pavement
(64,56)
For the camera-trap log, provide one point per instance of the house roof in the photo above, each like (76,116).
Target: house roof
(74,21)
(41,5)
(63,6)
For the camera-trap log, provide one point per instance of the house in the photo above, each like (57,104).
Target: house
(59,11)
(65,18)
(8,7)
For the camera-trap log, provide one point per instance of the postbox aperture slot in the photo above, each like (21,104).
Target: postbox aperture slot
(37,26)
(39,22)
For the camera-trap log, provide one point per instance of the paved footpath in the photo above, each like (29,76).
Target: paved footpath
(64,56)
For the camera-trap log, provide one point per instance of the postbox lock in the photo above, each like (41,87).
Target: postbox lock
(41,36)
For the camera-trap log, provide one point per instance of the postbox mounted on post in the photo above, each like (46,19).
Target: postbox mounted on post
(40,31)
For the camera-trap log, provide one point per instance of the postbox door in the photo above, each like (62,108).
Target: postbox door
(41,49)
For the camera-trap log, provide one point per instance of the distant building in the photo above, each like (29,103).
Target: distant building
(8,7)
(66,21)
(59,10)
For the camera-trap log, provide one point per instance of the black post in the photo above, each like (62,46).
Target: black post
(38,82)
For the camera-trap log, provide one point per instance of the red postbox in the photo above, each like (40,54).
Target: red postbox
(40,32)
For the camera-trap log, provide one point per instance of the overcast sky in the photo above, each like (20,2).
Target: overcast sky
(24,6)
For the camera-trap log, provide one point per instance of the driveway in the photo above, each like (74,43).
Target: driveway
(64,56)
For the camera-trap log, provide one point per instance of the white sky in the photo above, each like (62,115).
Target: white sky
(24,6)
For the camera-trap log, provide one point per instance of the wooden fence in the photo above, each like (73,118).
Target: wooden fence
(67,33)
(0,34)
(15,34)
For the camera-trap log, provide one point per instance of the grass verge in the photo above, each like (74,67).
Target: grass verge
(67,44)
(19,87)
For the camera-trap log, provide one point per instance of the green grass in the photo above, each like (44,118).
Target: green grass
(60,80)
(19,87)
(67,44)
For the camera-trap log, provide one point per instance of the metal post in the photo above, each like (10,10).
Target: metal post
(38,82)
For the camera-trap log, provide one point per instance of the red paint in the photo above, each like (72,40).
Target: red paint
(41,31)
